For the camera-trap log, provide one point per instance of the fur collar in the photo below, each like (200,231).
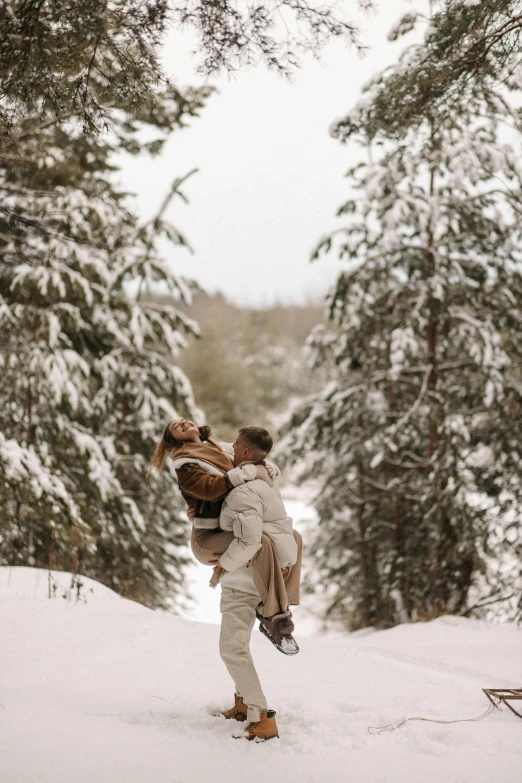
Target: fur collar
(215,458)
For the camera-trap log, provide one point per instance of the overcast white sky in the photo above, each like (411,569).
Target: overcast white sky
(270,176)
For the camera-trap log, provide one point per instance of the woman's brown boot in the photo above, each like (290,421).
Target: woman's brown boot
(278,629)
(238,711)
(263,729)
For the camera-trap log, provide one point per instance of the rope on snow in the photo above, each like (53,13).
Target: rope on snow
(390,727)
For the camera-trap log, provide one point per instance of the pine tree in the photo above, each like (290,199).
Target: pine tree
(89,371)
(469,47)
(416,438)
(89,376)
(66,48)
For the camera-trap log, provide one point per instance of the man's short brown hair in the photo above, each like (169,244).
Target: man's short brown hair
(258,439)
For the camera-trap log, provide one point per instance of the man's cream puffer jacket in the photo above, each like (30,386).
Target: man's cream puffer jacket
(249,511)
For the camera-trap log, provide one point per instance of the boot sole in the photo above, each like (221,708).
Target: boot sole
(276,645)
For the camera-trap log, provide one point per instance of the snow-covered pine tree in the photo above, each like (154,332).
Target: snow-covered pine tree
(44,42)
(467,42)
(416,439)
(88,374)
(88,370)
(89,377)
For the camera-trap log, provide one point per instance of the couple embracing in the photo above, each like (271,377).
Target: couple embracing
(240,527)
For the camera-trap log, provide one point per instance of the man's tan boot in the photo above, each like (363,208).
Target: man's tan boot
(238,711)
(263,729)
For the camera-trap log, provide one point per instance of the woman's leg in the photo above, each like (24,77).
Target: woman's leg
(292,574)
(207,543)
(266,570)
(268,578)
(279,588)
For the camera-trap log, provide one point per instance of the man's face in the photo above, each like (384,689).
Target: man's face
(241,450)
(184,430)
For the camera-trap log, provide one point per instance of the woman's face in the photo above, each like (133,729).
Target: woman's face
(184,430)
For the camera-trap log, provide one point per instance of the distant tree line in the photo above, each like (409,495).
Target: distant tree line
(248,366)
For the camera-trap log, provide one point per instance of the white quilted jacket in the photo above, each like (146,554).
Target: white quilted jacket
(249,511)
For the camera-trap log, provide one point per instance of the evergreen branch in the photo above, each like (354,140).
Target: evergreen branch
(89,68)
(407,416)
(18,158)
(7,238)
(510,26)
(37,131)
(481,603)
(419,462)
(25,191)
(407,465)
(155,222)
(443,367)
(42,229)
(356,501)
(383,523)
(373,483)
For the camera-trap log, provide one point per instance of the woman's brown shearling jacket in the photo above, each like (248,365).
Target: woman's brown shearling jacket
(203,493)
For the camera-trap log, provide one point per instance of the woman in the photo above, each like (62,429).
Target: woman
(206,474)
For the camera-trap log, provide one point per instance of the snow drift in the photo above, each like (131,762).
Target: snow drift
(103,689)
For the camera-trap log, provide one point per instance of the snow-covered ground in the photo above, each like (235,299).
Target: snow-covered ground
(106,690)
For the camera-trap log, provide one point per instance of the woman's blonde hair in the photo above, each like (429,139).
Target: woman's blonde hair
(166,444)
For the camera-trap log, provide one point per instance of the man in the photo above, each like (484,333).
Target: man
(251,510)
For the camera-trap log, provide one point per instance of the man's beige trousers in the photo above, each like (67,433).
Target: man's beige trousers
(238,615)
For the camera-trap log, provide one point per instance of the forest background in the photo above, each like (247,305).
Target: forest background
(406,405)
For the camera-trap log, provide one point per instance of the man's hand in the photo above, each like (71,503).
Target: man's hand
(240,475)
